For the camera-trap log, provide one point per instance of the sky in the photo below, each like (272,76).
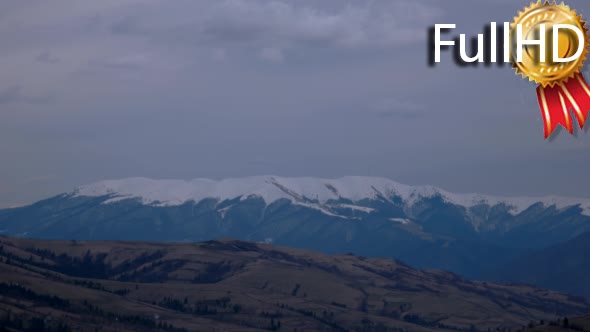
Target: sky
(94,90)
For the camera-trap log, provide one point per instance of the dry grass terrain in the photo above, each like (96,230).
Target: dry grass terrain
(238,286)
(563,324)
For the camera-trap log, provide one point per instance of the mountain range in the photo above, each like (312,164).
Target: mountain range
(477,236)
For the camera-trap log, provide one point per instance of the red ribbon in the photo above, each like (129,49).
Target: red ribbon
(557,101)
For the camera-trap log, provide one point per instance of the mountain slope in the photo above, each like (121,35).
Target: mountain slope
(564,267)
(233,285)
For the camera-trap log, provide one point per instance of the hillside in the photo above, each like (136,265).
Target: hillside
(563,324)
(563,267)
(239,286)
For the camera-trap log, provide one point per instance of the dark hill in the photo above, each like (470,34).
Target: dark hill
(239,286)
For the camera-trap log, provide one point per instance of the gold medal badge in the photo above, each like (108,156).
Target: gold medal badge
(555,66)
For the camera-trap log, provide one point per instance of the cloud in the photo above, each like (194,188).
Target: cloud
(47,57)
(219,54)
(272,54)
(286,24)
(125,62)
(390,107)
(178,75)
(42,178)
(10,94)
(14,94)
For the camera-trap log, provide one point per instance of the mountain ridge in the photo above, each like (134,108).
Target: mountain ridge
(303,189)
(426,227)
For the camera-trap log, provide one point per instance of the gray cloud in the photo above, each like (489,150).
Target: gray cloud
(285,23)
(47,57)
(226,88)
(10,94)
(127,62)
(397,107)
(15,94)
(272,54)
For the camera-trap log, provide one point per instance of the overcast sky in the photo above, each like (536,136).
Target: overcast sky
(93,90)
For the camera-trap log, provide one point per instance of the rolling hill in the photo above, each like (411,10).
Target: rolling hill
(233,285)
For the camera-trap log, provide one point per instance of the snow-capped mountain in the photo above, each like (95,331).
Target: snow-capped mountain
(304,191)
(424,226)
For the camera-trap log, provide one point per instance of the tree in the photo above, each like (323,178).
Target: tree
(37,324)
(566,322)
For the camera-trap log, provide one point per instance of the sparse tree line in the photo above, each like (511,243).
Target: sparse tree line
(560,322)
(202,307)
(14,260)
(33,324)
(90,265)
(325,317)
(219,309)
(47,324)
(146,268)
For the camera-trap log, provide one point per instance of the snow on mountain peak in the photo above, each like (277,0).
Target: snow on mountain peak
(269,188)
(300,190)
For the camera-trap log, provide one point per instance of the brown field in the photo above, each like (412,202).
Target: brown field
(239,286)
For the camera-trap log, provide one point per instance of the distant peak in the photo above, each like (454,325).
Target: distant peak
(301,189)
